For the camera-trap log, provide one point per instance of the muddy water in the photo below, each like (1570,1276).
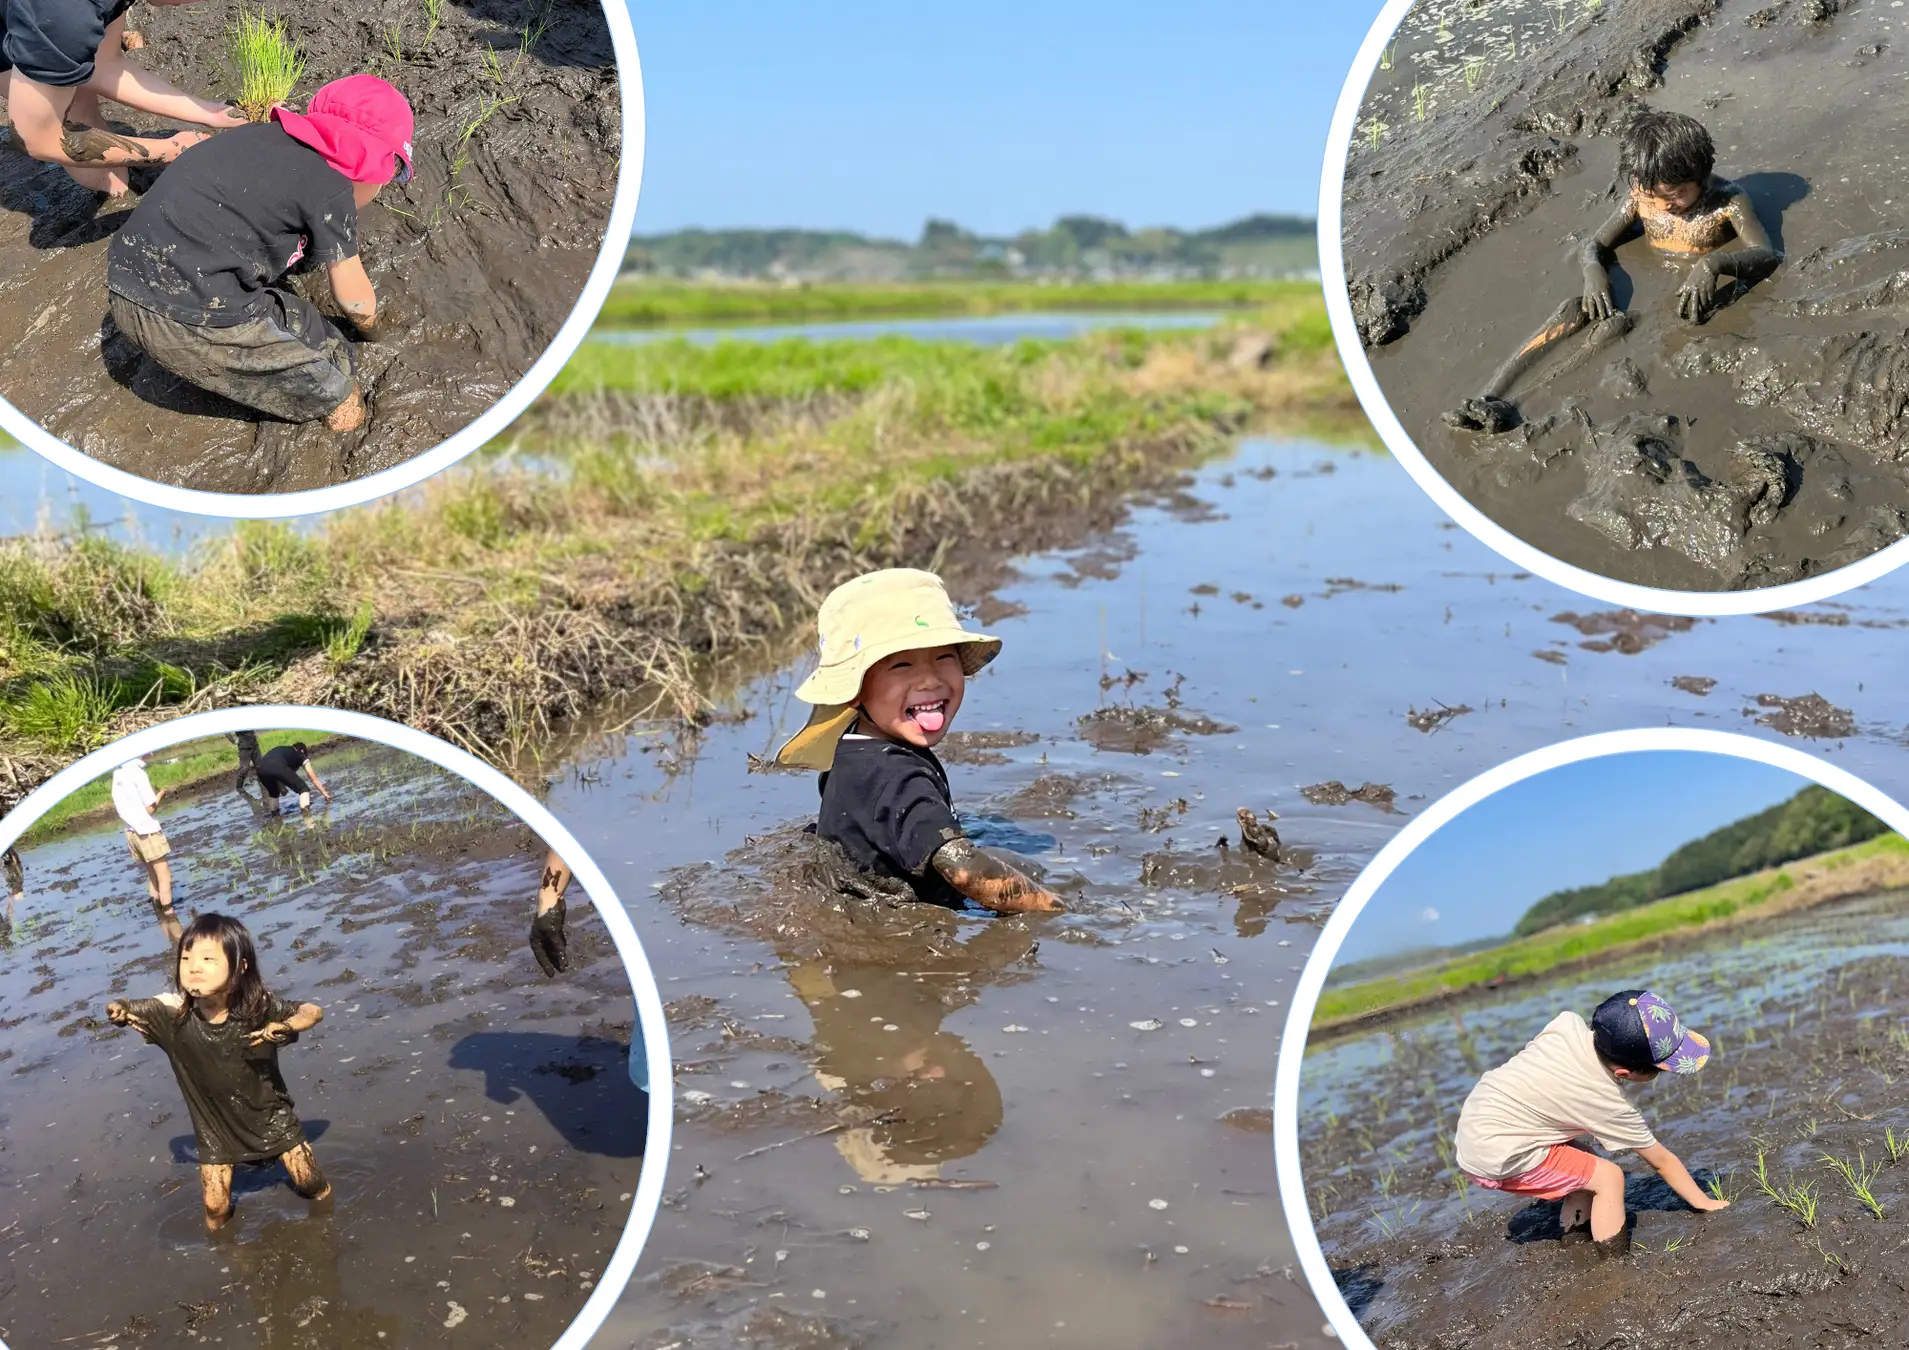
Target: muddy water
(478,260)
(477,1122)
(1314,602)
(1640,461)
(1805,1014)
(987,330)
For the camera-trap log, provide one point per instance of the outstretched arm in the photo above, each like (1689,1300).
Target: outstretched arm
(118,79)
(307,1016)
(987,880)
(317,782)
(1596,256)
(1678,1178)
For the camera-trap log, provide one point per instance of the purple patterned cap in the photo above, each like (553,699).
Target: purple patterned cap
(1636,1029)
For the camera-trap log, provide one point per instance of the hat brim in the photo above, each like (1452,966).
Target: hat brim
(1692,1053)
(813,747)
(841,683)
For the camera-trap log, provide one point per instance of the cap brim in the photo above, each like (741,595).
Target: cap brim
(842,683)
(1692,1053)
(813,747)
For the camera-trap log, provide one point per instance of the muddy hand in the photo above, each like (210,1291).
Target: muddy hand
(1698,295)
(1486,414)
(180,142)
(548,942)
(272,1033)
(116,1014)
(1597,300)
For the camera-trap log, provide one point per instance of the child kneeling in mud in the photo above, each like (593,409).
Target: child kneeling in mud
(195,278)
(1685,210)
(221,1030)
(895,662)
(1519,1129)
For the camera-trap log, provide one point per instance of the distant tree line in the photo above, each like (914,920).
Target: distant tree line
(1814,821)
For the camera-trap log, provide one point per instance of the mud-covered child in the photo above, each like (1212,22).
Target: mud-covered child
(197,277)
(1674,198)
(1520,1129)
(221,1029)
(895,661)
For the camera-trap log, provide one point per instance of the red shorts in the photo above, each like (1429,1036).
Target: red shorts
(1565,1168)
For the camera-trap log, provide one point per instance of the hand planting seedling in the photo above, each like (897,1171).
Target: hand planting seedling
(264,65)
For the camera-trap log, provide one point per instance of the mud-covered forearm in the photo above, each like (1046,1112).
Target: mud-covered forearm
(987,880)
(1747,264)
(89,146)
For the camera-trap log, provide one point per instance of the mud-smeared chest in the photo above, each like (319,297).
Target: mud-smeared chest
(1701,231)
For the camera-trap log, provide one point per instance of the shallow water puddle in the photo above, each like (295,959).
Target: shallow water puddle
(1312,606)
(476,1121)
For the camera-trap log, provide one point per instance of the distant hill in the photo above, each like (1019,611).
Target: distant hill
(1073,247)
(1414,958)
(1814,821)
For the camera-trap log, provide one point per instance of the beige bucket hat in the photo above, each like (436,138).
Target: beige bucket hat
(862,622)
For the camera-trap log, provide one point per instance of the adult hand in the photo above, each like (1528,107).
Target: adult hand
(1598,304)
(1698,295)
(548,942)
(178,143)
(226,118)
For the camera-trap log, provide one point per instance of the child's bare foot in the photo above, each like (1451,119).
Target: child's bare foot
(349,415)
(132,41)
(214,1222)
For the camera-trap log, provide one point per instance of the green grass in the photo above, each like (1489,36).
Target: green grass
(1555,947)
(180,766)
(648,303)
(264,64)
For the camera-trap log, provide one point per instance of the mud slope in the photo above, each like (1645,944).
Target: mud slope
(1763,446)
(480,258)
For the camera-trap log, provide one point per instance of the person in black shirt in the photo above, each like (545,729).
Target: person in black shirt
(278,773)
(248,744)
(195,276)
(895,661)
(58,59)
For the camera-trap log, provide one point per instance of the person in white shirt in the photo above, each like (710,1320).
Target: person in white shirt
(1520,1129)
(134,799)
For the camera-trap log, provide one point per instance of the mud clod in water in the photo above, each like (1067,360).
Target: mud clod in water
(1808,715)
(1135,730)
(1624,630)
(1335,793)
(1432,719)
(1700,685)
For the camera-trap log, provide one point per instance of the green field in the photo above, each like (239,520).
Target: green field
(650,303)
(1572,943)
(180,766)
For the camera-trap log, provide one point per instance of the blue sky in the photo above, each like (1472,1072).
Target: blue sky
(872,117)
(1573,826)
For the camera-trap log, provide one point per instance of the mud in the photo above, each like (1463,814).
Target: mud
(1336,793)
(1807,715)
(478,260)
(1762,446)
(1624,630)
(477,1122)
(1810,1056)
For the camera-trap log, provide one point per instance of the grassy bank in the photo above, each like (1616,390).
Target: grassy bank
(640,302)
(1858,869)
(185,765)
(663,505)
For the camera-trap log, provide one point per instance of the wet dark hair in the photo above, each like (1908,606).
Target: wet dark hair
(298,748)
(1661,149)
(247,998)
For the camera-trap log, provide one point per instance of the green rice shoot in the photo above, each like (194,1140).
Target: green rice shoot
(265,64)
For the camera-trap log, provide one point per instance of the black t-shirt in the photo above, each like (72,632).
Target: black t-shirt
(282,761)
(241,1111)
(53,42)
(888,806)
(227,219)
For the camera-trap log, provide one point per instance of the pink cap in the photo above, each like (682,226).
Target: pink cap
(360,124)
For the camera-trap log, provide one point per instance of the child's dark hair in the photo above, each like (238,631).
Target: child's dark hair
(247,1000)
(1665,148)
(1650,1071)
(298,748)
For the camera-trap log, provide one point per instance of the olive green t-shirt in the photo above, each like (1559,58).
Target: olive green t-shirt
(240,1109)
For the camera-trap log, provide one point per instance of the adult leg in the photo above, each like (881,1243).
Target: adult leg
(215,1180)
(162,883)
(302,1165)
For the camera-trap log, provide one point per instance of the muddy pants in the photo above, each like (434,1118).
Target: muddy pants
(291,363)
(274,785)
(248,764)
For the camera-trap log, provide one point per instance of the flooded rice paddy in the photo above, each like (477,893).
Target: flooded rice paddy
(1097,1088)
(477,1121)
(983,330)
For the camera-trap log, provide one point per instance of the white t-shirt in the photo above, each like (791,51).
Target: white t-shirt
(134,798)
(1554,1090)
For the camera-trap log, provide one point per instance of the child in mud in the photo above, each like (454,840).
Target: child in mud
(1678,203)
(1519,1130)
(221,1029)
(895,661)
(278,774)
(195,277)
(58,59)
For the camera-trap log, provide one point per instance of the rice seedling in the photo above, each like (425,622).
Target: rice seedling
(1474,73)
(1676,1244)
(1725,1187)
(1858,1176)
(1896,1146)
(394,42)
(264,64)
(1374,131)
(1421,101)
(1386,57)
(1444,33)
(1830,1258)
(434,20)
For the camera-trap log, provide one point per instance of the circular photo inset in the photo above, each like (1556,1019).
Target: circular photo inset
(1621,1025)
(1628,278)
(255,251)
(307,1046)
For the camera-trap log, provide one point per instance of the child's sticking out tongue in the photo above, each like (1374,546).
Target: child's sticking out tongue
(930,717)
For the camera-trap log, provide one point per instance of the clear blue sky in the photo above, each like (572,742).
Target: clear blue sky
(872,117)
(1573,826)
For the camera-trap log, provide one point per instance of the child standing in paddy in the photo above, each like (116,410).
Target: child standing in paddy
(895,663)
(221,1029)
(1520,1128)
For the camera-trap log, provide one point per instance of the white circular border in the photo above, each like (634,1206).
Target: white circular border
(655,1028)
(1345,333)
(1292,1044)
(276,505)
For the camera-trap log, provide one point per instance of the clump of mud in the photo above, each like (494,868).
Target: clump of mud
(479,259)
(1808,715)
(1138,730)
(1335,793)
(1624,630)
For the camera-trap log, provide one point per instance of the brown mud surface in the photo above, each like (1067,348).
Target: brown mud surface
(1763,446)
(479,259)
(476,1121)
(1811,1053)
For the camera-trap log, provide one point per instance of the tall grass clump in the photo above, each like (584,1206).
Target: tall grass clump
(264,64)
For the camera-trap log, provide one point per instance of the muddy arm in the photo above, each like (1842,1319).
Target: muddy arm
(548,941)
(352,289)
(1678,1178)
(1758,256)
(1596,256)
(307,1016)
(987,880)
(37,114)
